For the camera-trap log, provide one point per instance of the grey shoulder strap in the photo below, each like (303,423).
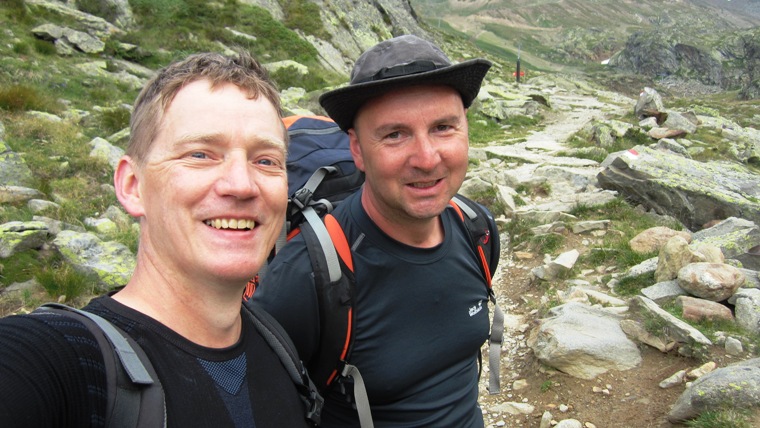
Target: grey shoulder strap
(136,397)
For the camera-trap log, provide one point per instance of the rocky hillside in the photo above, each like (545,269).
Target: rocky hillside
(603,196)
(701,40)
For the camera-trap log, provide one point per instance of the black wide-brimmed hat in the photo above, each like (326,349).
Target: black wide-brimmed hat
(402,61)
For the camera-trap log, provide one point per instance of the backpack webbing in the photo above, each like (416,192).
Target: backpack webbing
(135,395)
(332,266)
(279,341)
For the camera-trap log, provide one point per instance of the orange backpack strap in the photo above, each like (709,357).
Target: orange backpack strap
(339,240)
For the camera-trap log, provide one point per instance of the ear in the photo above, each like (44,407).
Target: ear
(356,150)
(127,185)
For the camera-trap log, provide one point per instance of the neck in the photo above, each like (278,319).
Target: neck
(205,314)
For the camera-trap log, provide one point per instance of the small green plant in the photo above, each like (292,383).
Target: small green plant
(730,417)
(112,120)
(546,385)
(632,285)
(21,48)
(655,325)
(287,77)
(519,231)
(488,198)
(547,243)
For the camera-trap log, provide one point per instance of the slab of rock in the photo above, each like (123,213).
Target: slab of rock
(583,342)
(693,192)
(737,386)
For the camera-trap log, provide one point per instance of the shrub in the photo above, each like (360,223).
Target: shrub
(23,98)
(303,15)
(44,47)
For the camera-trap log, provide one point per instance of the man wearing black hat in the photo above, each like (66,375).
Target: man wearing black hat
(420,304)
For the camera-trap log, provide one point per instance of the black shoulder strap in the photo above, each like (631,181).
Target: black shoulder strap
(135,395)
(278,340)
(484,237)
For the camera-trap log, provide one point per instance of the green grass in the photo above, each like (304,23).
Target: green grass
(60,279)
(22,97)
(488,198)
(730,417)
(632,285)
(547,243)
(483,131)
(20,267)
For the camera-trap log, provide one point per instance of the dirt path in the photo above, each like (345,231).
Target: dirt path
(624,399)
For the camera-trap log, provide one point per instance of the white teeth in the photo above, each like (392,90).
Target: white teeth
(233,223)
(423,185)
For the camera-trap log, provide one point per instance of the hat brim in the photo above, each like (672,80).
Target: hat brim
(466,77)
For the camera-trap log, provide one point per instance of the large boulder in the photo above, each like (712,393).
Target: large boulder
(583,341)
(693,192)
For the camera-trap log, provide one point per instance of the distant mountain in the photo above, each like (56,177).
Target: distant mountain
(552,33)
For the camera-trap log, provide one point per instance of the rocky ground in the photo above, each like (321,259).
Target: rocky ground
(626,399)
(615,399)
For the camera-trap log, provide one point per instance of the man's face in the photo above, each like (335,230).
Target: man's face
(412,144)
(213,191)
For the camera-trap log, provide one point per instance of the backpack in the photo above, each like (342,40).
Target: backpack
(135,395)
(330,253)
(321,170)
(321,173)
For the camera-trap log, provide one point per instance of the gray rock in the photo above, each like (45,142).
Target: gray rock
(693,192)
(676,329)
(583,342)
(13,169)
(737,386)
(663,291)
(102,149)
(111,262)
(19,236)
(747,309)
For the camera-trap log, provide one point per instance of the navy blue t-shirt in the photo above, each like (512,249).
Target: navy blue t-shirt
(421,317)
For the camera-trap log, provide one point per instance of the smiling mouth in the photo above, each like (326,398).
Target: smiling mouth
(424,184)
(232,223)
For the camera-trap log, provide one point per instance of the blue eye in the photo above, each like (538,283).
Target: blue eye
(198,155)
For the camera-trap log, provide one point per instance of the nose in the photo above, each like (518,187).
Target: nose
(426,155)
(238,178)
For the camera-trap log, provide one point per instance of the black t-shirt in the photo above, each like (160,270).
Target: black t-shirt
(421,316)
(51,374)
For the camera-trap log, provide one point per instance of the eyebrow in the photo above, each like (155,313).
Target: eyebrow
(214,137)
(382,129)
